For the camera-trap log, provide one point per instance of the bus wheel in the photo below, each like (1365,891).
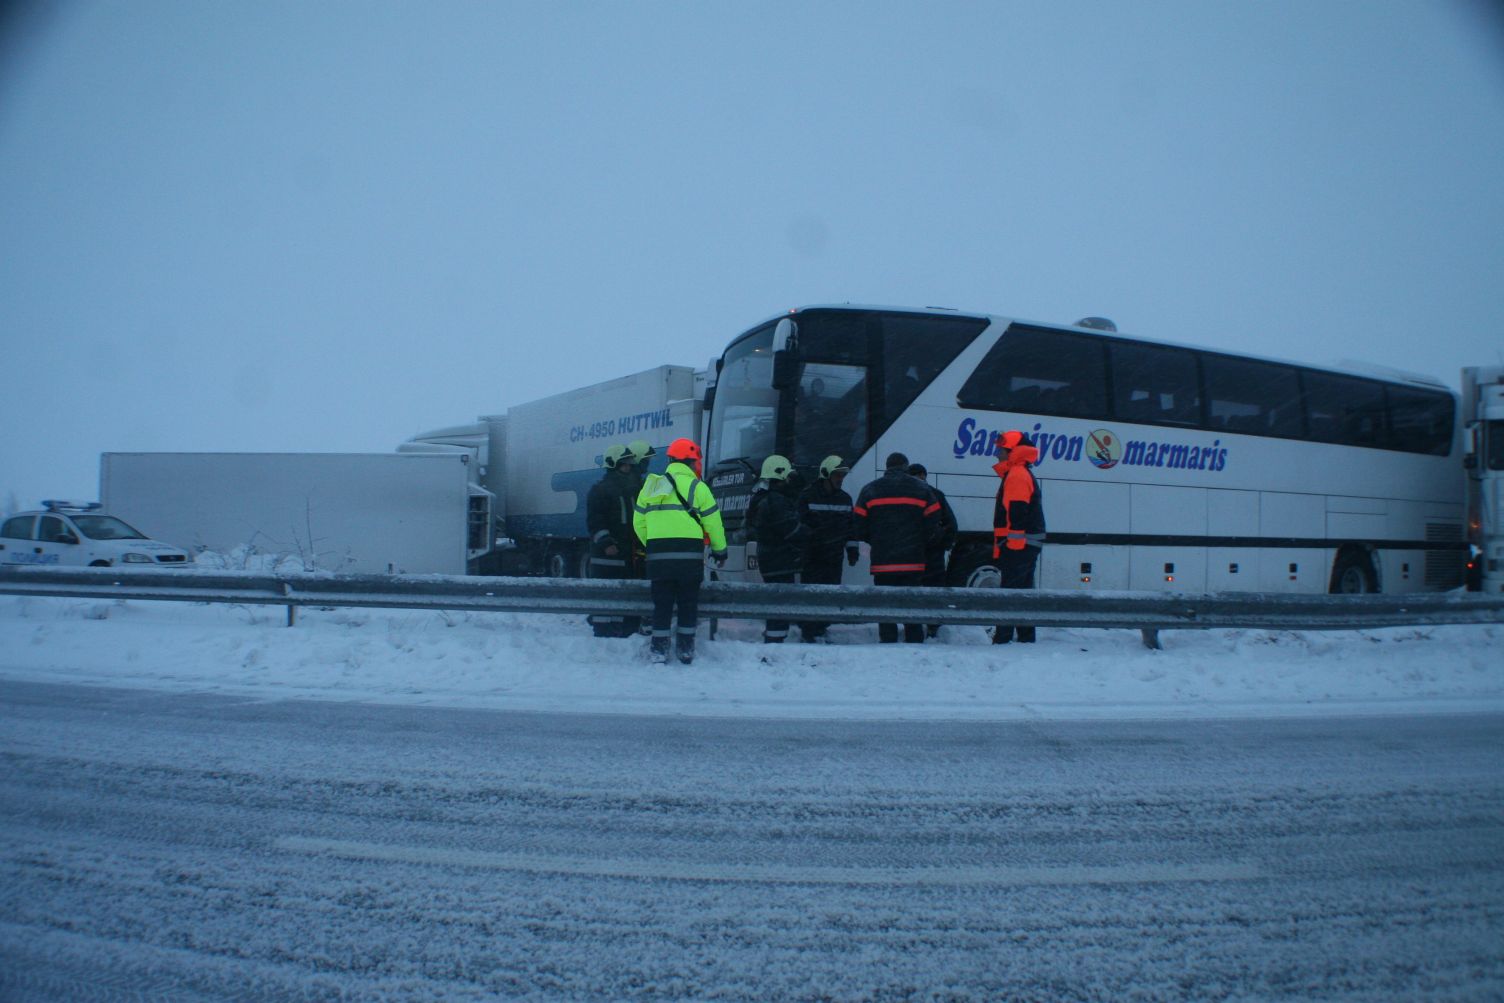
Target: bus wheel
(974,569)
(1353,573)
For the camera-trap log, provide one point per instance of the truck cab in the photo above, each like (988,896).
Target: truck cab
(78,534)
(1483,414)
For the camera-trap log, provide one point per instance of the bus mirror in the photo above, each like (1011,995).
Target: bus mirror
(709,397)
(785,335)
(785,354)
(1470,461)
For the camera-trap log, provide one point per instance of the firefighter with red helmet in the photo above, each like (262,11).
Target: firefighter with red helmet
(1018,522)
(675,516)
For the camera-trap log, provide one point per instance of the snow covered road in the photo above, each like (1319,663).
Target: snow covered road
(201,846)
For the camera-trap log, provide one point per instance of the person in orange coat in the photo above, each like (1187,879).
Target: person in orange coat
(1017,523)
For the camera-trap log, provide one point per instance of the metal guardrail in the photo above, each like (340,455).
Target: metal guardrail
(1149,612)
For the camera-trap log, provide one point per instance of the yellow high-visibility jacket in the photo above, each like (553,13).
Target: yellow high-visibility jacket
(675,514)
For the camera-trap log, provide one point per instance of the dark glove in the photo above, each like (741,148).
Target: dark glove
(719,557)
(853,554)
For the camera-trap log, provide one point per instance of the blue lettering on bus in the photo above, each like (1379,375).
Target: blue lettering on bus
(1102,447)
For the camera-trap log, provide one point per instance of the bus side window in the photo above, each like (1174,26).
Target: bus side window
(1154,384)
(1345,410)
(1250,397)
(1040,371)
(1420,421)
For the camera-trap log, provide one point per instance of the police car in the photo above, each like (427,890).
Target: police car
(77,533)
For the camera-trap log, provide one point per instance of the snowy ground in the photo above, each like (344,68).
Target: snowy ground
(199,802)
(552,663)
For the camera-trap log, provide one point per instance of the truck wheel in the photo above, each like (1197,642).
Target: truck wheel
(1353,573)
(566,562)
(974,568)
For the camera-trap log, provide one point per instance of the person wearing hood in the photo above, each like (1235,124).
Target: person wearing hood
(773,521)
(825,509)
(1017,523)
(608,519)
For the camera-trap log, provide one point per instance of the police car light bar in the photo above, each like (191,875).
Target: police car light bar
(56,505)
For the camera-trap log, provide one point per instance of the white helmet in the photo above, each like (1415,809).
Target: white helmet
(777,468)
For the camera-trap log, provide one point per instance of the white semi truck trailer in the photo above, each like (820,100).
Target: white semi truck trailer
(378,513)
(540,459)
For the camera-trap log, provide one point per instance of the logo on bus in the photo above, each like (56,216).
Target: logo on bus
(1103,449)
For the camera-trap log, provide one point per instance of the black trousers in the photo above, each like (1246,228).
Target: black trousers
(616,566)
(819,573)
(777,631)
(887,633)
(671,595)
(1017,567)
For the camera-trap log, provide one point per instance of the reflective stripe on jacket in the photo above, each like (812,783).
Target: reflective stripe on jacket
(826,510)
(674,533)
(608,520)
(899,516)
(1018,516)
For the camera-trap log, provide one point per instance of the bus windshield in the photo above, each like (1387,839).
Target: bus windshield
(743,419)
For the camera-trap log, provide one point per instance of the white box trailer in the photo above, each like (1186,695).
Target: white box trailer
(541,458)
(382,513)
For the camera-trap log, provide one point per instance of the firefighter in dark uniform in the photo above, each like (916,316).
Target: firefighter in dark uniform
(899,516)
(608,519)
(773,521)
(825,508)
(641,451)
(1018,523)
(934,554)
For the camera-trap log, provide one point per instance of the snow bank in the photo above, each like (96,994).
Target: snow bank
(552,663)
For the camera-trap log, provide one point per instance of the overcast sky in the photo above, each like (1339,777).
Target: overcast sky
(329,226)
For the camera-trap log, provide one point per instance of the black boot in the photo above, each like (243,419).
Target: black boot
(1002,635)
(685,648)
(658,649)
(1026,635)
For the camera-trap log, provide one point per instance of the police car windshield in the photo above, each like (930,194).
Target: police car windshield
(743,418)
(105,527)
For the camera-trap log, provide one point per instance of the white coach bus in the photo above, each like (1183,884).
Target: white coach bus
(1163,466)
